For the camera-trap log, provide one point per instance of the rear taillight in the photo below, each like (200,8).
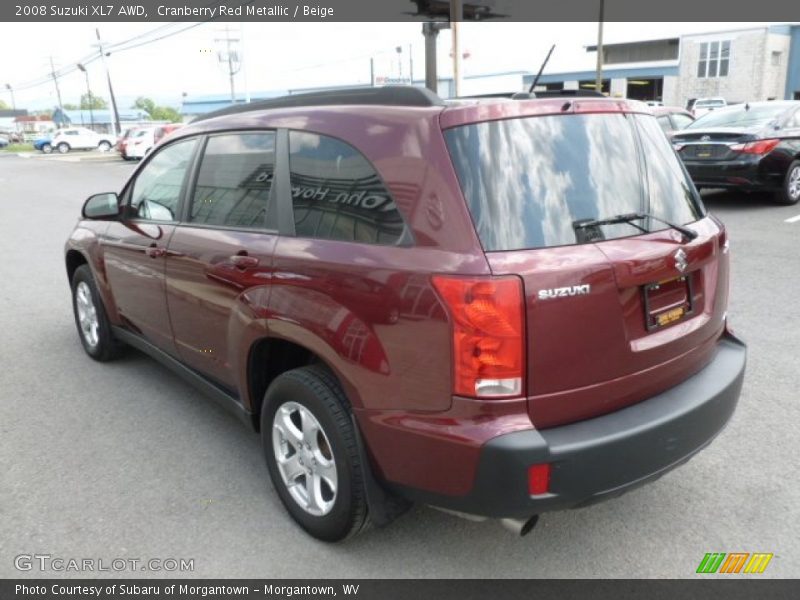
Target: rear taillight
(488,325)
(759,147)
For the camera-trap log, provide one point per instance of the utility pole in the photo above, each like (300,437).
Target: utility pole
(456,16)
(13,105)
(231,57)
(117,128)
(430,30)
(89,93)
(411,63)
(55,81)
(13,102)
(598,83)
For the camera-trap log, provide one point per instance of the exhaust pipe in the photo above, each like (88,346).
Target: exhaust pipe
(520,527)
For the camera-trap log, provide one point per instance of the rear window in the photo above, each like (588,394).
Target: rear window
(753,116)
(528,181)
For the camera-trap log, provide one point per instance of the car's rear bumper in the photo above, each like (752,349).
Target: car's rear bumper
(603,457)
(747,174)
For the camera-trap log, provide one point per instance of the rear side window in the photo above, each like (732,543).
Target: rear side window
(529,181)
(681,120)
(337,195)
(235,180)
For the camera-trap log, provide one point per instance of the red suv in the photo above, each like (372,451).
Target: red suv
(496,307)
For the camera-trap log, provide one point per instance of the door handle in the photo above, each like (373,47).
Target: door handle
(243,261)
(154,251)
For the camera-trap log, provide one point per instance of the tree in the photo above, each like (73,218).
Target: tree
(166,113)
(157,113)
(70,106)
(145,104)
(96,102)
(3,105)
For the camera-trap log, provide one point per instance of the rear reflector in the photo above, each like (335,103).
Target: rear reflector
(486,315)
(538,479)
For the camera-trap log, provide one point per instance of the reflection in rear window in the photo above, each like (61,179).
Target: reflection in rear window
(527,181)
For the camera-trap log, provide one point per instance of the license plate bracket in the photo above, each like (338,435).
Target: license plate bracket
(667,302)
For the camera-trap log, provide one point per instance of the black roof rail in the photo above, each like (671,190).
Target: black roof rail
(390,95)
(538,94)
(569,94)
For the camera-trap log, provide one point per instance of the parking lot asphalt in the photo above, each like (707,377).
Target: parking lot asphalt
(124,460)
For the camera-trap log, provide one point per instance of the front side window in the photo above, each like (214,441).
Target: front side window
(337,194)
(234,181)
(530,182)
(157,189)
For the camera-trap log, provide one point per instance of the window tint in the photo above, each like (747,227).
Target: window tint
(529,181)
(337,195)
(235,180)
(157,188)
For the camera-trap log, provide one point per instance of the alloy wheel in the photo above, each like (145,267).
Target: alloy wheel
(305,458)
(87,314)
(794,183)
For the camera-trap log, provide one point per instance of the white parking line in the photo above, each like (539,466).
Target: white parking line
(794,219)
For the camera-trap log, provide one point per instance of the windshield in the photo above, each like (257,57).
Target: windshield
(528,180)
(754,116)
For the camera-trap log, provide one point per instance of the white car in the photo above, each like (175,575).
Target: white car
(140,142)
(701,106)
(81,138)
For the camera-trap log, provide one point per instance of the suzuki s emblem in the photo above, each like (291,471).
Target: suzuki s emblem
(705,138)
(680,260)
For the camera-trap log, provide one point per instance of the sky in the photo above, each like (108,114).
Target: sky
(287,55)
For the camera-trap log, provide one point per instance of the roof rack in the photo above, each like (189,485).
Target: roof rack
(391,95)
(534,95)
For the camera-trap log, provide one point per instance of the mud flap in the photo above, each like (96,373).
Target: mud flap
(384,507)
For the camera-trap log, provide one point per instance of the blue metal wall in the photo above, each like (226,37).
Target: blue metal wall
(793,74)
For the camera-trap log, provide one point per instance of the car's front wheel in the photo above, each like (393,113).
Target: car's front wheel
(94,328)
(312,454)
(104,146)
(63,147)
(790,194)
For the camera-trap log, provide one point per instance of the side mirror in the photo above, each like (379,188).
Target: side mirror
(101,206)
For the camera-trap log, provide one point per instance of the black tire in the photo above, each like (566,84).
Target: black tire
(317,390)
(790,191)
(63,148)
(104,146)
(47,148)
(106,347)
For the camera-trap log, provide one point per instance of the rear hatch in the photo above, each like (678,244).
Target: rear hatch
(613,314)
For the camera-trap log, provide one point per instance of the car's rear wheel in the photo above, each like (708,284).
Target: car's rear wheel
(790,193)
(312,454)
(47,148)
(104,146)
(94,328)
(63,147)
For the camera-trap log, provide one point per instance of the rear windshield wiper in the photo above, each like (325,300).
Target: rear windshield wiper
(629,218)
